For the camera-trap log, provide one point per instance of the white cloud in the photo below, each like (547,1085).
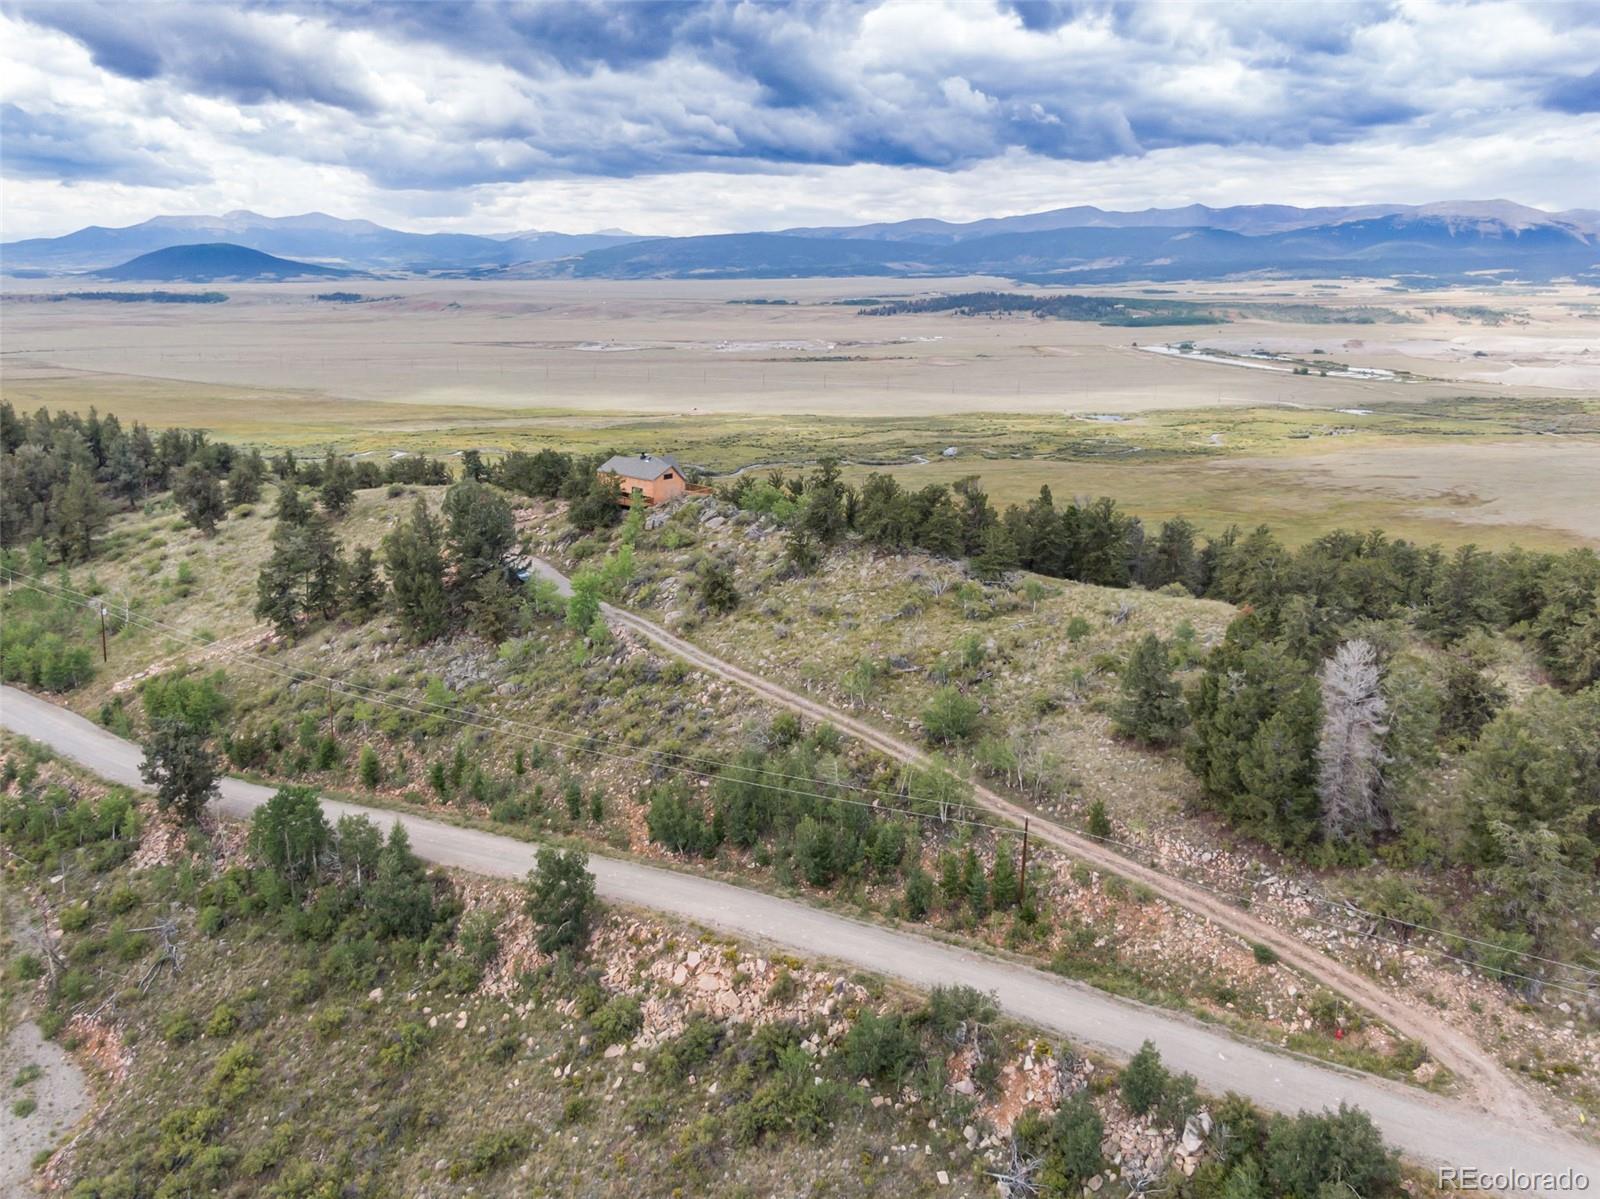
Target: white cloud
(729,117)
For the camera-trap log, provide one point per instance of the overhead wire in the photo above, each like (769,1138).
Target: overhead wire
(579,743)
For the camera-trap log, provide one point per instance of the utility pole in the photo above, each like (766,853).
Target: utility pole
(1022,875)
(105,653)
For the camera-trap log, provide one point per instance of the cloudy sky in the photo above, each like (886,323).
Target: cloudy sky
(692,118)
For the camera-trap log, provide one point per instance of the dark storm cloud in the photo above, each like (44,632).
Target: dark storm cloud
(453,93)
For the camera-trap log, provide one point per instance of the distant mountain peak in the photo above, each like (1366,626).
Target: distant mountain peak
(210,262)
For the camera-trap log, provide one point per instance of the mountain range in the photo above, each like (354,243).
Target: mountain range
(1477,240)
(313,237)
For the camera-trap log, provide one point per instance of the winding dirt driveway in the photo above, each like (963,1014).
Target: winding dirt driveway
(1484,1081)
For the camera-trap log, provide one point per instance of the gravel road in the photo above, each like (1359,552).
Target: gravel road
(1426,1128)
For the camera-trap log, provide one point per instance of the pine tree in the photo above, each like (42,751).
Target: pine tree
(400,897)
(319,560)
(291,508)
(492,610)
(717,589)
(561,899)
(1151,710)
(371,768)
(940,533)
(998,556)
(244,480)
(338,491)
(180,767)
(1144,1080)
(1003,884)
(482,530)
(918,894)
(80,516)
(824,515)
(414,561)
(360,588)
(800,551)
(199,496)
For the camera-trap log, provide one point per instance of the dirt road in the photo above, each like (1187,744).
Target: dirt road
(1427,1128)
(1483,1079)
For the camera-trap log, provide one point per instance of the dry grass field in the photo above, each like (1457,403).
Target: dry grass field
(734,373)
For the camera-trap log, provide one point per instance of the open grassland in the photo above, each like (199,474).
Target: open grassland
(1477,469)
(687,368)
(690,347)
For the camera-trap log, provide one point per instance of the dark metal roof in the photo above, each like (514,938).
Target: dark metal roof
(639,466)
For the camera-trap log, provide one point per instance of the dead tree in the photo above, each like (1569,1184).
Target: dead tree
(1350,757)
(171,952)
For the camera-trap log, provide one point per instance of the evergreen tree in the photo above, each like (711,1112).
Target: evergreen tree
(800,551)
(824,514)
(492,610)
(318,555)
(1262,781)
(371,769)
(1151,710)
(244,480)
(399,899)
(199,496)
(180,767)
(1173,559)
(1144,1080)
(1003,885)
(561,900)
(1461,596)
(596,498)
(940,531)
(918,894)
(717,589)
(291,509)
(80,516)
(414,561)
(998,557)
(338,491)
(482,530)
(360,589)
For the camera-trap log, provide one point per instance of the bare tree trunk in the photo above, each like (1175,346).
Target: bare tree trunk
(1350,757)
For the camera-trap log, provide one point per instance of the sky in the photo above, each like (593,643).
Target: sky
(682,118)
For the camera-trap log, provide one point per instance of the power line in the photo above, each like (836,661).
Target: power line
(577,742)
(503,725)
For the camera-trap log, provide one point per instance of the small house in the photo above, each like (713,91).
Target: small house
(656,476)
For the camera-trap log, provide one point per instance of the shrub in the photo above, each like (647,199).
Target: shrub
(1099,822)
(180,1028)
(1307,1152)
(619,1020)
(223,1021)
(950,716)
(1144,1081)
(880,1047)
(1264,954)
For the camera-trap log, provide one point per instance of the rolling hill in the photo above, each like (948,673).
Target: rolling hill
(216,261)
